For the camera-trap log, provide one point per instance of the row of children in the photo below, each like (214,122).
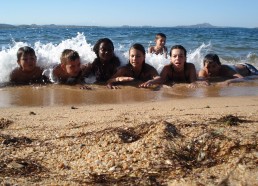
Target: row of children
(106,67)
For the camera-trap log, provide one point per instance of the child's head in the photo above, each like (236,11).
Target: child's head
(70,62)
(26,58)
(137,55)
(104,49)
(178,56)
(160,39)
(211,64)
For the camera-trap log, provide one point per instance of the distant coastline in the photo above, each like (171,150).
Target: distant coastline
(203,25)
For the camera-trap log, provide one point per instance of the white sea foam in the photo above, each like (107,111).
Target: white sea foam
(48,55)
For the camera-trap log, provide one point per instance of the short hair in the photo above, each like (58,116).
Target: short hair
(211,58)
(102,40)
(69,55)
(139,47)
(25,50)
(178,47)
(160,35)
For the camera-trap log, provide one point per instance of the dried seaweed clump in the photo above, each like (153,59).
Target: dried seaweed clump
(4,123)
(230,120)
(20,167)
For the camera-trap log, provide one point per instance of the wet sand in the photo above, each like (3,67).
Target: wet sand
(62,95)
(172,136)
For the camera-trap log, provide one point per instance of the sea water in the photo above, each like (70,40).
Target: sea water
(233,45)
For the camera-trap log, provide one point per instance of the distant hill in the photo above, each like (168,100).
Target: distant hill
(203,25)
(6,26)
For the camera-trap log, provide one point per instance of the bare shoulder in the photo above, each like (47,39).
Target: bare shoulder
(151,49)
(190,65)
(15,73)
(39,70)
(167,67)
(57,71)
(121,71)
(150,69)
(202,73)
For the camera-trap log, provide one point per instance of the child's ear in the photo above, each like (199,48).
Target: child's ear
(63,66)
(19,62)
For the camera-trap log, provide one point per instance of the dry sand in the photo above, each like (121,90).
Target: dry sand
(192,141)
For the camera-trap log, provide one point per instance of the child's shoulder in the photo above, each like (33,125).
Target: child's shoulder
(190,64)
(151,49)
(148,66)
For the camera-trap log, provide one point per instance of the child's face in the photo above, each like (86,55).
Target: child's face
(72,68)
(136,57)
(27,62)
(106,51)
(178,58)
(161,42)
(212,68)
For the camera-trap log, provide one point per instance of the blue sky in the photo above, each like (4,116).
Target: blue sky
(239,13)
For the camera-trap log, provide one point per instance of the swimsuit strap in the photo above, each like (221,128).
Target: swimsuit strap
(185,67)
(139,75)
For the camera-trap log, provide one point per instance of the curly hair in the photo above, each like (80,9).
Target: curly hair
(102,40)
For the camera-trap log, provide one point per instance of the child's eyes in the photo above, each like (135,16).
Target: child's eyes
(180,56)
(29,58)
(135,56)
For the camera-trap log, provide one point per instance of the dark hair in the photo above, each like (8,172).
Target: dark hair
(69,55)
(139,47)
(160,35)
(178,47)
(25,50)
(102,40)
(211,58)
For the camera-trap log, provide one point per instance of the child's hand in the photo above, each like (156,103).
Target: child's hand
(146,84)
(193,85)
(111,86)
(85,87)
(124,79)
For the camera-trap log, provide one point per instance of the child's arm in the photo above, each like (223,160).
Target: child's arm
(192,75)
(155,80)
(119,76)
(158,79)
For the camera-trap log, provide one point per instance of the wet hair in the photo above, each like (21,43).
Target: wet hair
(102,40)
(25,50)
(178,47)
(158,35)
(69,55)
(139,47)
(211,58)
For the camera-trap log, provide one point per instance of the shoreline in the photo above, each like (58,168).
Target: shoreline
(65,95)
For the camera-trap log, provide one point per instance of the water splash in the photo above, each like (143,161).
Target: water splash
(48,55)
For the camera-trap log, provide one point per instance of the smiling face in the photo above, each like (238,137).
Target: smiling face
(212,68)
(72,68)
(178,59)
(106,51)
(136,58)
(27,62)
(160,42)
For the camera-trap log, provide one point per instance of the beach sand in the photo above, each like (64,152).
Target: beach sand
(191,141)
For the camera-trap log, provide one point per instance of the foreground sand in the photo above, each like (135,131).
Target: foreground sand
(193,141)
